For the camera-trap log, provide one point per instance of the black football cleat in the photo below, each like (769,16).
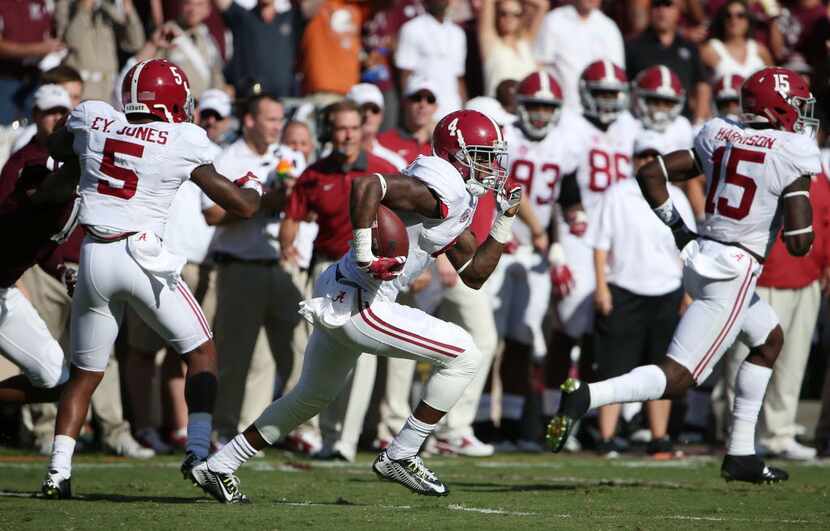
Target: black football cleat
(750,468)
(576,400)
(55,487)
(191,460)
(223,487)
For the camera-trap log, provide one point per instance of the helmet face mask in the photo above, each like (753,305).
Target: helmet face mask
(486,166)
(658,97)
(658,113)
(539,104)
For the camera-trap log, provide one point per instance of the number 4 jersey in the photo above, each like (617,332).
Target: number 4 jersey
(746,172)
(130,173)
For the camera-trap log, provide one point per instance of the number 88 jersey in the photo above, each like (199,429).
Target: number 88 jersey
(130,173)
(746,172)
(538,167)
(604,157)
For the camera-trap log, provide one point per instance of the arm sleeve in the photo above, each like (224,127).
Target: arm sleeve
(569,191)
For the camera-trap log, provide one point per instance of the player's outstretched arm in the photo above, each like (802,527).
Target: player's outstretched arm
(240,198)
(798,217)
(398,192)
(59,144)
(60,185)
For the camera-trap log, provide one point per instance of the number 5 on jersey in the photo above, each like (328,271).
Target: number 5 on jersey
(110,169)
(744,182)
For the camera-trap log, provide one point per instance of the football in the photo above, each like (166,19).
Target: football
(389,236)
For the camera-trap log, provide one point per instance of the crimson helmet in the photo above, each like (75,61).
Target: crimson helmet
(781,98)
(472,142)
(727,93)
(603,76)
(658,97)
(160,88)
(538,89)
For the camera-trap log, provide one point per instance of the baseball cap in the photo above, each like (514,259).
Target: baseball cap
(649,142)
(417,84)
(52,97)
(365,93)
(217,101)
(492,108)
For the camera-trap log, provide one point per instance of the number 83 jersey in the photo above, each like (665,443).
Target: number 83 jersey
(130,173)
(746,172)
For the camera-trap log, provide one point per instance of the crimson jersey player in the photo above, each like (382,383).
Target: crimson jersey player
(758,175)
(31,234)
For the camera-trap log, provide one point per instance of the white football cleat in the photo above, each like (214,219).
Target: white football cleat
(411,472)
(468,446)
(223,487)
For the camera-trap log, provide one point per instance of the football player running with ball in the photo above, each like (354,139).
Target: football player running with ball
(130,167)
(758,178)
(354,308)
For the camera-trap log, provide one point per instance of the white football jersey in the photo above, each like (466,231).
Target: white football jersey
(538,167)
(746,171)
(679,135)
(603,157)
(428,237)
(130,173)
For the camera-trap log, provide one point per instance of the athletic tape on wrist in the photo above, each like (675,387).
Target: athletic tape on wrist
(502,230)
(666,212)
(362,245)
(796,232)
(382,181)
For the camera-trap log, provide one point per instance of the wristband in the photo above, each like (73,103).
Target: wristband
(797,193)
(382,181)
(667,213)
(502,229)
(796,232)
(556,254)
(249,182)
(362,245)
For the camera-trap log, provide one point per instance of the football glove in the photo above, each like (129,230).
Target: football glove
(383,268)
(507,199)
(249,181)
(560,274)
(682,234)
(577,222)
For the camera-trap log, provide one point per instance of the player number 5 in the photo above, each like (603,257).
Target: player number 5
(109,168)
(747,185)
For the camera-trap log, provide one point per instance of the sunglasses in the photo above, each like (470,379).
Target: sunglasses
(662,3)
(736,14)
(373,108)
(512,14)
(421,96)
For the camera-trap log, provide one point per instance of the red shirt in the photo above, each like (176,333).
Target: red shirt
(34,154)
(25,23)
(404,144)
(324,188)
(783,271)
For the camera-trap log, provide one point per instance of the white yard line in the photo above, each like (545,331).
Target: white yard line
(485,510)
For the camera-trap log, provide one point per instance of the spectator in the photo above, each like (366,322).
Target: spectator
(732,50)
(419,108)
(215,117)
(68,78)
(323,191)
(189,44)
(330,50)
(265,44)
(792,286)
(297,135)
(792,31)
(506,30)
(660,44)
(25,38)
(370,100)
(95,32)
(433,47)
(250,274)
(574,36)
(186,234)
(637,302)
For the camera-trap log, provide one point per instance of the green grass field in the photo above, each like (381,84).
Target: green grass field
(503,492)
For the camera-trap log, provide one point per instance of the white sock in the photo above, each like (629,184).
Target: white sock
(512,406)
(232,455)
(62,449)
(750,387)
(550,401)
(641,384)
(198,434)
(409,439)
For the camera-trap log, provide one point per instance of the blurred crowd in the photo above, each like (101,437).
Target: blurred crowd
(307,95)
